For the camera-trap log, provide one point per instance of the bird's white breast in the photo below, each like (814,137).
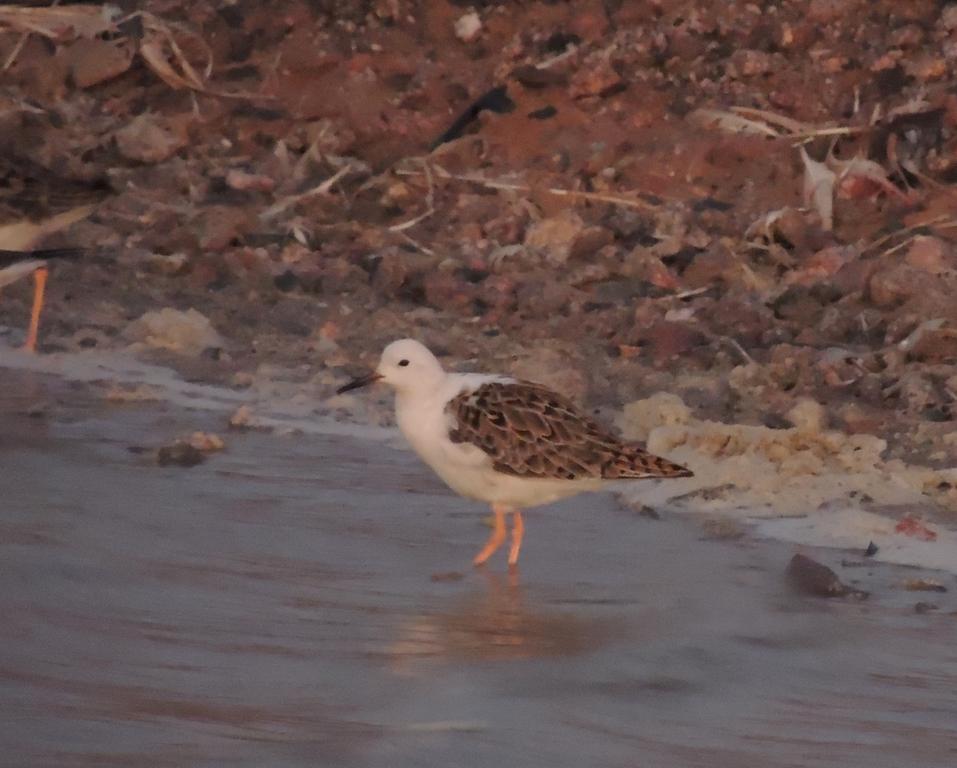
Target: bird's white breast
(425,424)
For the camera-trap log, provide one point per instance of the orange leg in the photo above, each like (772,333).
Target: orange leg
(39,286)
(518,530)
(497,537)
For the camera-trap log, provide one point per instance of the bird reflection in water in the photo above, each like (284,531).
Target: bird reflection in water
(493,623)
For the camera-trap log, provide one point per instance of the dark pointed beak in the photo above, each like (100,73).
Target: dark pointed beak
(362,381)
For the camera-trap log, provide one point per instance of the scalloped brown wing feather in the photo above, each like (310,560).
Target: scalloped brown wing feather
(530,431)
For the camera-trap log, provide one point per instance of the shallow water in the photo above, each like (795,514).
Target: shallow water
(307,601)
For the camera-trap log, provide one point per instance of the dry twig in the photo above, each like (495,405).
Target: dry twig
(429,202)
(937,221)
(600,197)
(738,348)
(320,189)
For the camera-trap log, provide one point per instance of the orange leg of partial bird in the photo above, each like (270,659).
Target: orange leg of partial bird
(497,537)
(39,286)
(518,530)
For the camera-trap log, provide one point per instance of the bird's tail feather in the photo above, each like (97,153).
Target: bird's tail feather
(634,462)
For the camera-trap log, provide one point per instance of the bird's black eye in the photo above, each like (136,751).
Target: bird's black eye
(403,363)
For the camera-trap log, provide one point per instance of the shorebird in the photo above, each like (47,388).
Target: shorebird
(510,443)
(35,203)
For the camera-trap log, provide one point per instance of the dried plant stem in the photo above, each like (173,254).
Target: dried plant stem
(738,348)
(905,230)
(429,202)
(321,189)
(416,244)
(16,51)
(600,197)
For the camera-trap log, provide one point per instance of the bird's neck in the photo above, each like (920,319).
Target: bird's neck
(423,392)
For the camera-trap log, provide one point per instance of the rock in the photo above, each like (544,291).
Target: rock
(793,227)
(924,585)
(244,181)
(595,78)
(330,331)
(188,333)
(554,237)
(544,297)
(668,340)
(446,290)
(935,346)
(948,17)
(852,277)
(930,254)
(892,286)
(286,281)
(722,528)
(642,263)
(797,302)
(714,265)
(150,139)
(295,253)
(498,292)
(813,578)
(167,264)
(590,241)
(241,418)
(644,510)
(92,61)
(391,272)
(342,276)
(180,454)
(822,265)
(908,36)
(808,416)
(749,63)
(467,27)
(926,67)
(915,392)
(207,442)
(826,11)
(443,577)
(222,226)
(589,23)
(858,420)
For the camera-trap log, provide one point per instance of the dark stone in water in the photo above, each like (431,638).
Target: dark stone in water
(180,455)
(813,578)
